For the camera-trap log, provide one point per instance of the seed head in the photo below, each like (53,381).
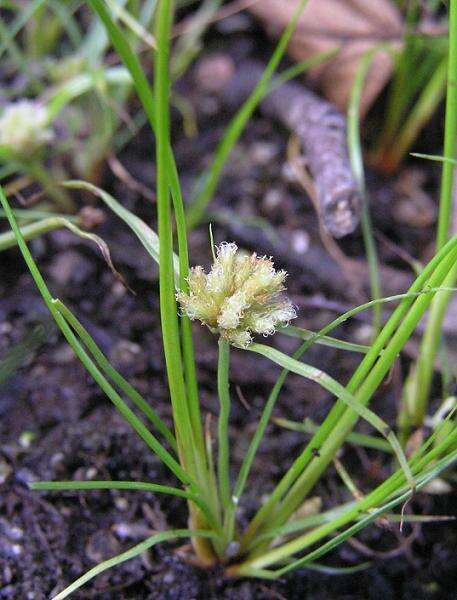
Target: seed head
(24,127)
(240,296)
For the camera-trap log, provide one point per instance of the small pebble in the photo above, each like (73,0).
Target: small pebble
(437,486)
(262,153)
(25,476)
(12,532)
(129,356)
(71,267)
(214,72)
(272,198)
(364,333)
(121,503)
(169,577)
(57,459)
(5,328)
(118,290)
(91,216)
(10,549)
(5,471)
(7,576)
(101,546)
(91,473)
(300,242)
(131,531)
(63,355)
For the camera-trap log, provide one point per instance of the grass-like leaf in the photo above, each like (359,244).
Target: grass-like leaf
(146,97)
(114,375)
(385,497)
(157,538)
(208,184)
(328,383)
(356,159)
(309,341)
(359,439)
(128,486)
(147,236)
(436,157)
(91,367)
(331,342)
(298,480)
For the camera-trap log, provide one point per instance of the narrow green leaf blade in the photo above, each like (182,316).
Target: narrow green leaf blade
(144,233)
(129,554)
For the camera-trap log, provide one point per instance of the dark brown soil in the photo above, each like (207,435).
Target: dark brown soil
(47,540)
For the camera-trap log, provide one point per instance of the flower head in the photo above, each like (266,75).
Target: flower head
(240,296)
(24,127)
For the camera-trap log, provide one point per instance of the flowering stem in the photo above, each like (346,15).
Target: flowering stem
(223,422)
(168,309)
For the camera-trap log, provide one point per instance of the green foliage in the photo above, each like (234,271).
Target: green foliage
(415,92)
(275,541)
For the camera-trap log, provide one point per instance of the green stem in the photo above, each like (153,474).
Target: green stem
(358,439)
(168,307)
(182,381)
(333,418)
(370,504)
(133,65)
(186,326)
(188,445)
(348,419)
(423,375)
(356,158)
(450,133)
(310,339)
(74,486)
(382,493)
(223,461)
(418,392)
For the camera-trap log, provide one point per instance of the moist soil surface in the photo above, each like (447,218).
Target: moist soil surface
(55,424)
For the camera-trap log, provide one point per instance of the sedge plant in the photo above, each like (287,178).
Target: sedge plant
(419,386)
(417,87)
(241,297)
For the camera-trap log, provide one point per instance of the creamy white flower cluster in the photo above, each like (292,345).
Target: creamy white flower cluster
(240,296)
(24,127)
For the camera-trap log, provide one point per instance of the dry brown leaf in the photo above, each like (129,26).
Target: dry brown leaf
(352,26)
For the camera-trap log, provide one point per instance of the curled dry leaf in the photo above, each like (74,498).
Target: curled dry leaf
(102,245)
(351,26)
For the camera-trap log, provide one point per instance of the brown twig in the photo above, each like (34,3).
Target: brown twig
(304,179)
(321,129)
(317,268)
